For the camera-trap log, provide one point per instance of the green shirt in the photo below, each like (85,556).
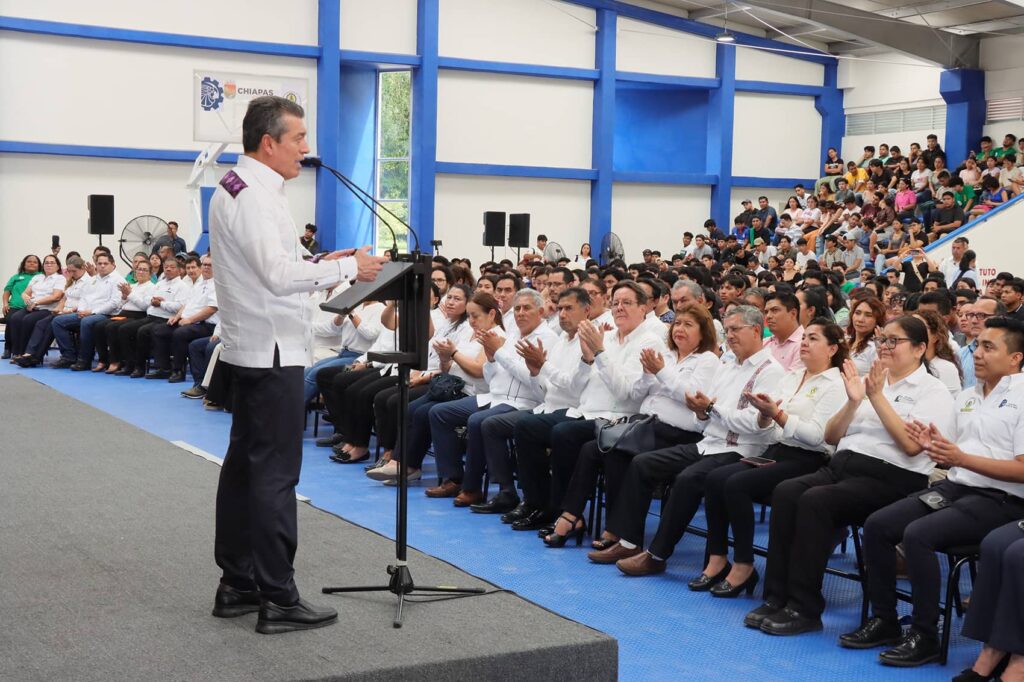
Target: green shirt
(17,285)
(962,198)
(1003,151)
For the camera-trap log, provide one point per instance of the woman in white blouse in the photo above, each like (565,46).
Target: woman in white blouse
(41,296)
(667,378)
(867,318)
(876,463)
(942,361)
(805,400)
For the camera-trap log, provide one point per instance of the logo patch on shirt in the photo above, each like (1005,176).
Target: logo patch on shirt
(232,183)
(969,405)
(811,393)
(906,399)
(1007,403)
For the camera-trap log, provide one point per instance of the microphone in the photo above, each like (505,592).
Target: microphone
(311,162)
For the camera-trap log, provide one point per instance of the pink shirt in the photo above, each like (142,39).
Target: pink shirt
(905,199)
(787,353)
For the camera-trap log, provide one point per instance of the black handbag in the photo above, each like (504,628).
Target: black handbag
(630,435)
(445,388)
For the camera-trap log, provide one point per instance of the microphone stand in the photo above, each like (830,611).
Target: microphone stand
(413,292)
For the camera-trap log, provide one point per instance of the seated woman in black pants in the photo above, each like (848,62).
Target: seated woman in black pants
(41,297)
(809,397)
(876,463)
(136,301)
(667,378)
(996,617)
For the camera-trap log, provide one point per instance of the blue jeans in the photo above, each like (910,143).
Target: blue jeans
(444,418)
(62,327)
(345,357)
(199,352)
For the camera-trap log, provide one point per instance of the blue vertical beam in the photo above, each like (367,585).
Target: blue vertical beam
(721,120)
(964,93)
(328,108)
(205,196)
(424,124)
(829,105)
(603,128)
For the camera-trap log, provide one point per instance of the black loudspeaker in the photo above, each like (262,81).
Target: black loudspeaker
(519,230)
(101,214)
(494,228)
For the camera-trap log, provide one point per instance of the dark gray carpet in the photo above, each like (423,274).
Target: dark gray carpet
(107,573)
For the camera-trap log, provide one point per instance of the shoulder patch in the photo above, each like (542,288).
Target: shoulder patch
(232,183)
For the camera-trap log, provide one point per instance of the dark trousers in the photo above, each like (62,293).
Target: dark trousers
(614,463)
(385,413)
(973,512)
(806,513)
(567,439)
(105,335)
(134,338)
(256,532)
(730,493)
(21,325)
(350,403)
(996,616)
(41,337)
(170,344)
(533,438)
(418,440)
(444,418)
(496,431)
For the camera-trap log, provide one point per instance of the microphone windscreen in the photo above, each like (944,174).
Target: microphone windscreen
(311,162)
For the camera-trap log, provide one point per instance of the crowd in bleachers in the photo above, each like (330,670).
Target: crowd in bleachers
(813,358)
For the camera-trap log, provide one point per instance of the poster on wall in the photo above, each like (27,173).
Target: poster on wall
(219,101)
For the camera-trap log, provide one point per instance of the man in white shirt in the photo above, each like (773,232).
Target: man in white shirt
(504,292)
(195,320)
(100,297)
(950,265)
(600,315)
(266,342)
(983,491)
(804,254)
(731,432)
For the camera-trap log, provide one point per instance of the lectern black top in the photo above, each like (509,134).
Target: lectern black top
(389,286)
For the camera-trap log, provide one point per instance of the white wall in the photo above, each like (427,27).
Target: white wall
(378,26)
(1002,58)
(888,81)
(776,136)
(655,216)
(91,92)
(45,195)
(760,65)
(263,20)
(646,48)
(526,31)
(518,120)
(997,242)
(559,209)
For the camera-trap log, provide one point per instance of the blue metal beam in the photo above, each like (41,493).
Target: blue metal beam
(459,64)
(603,134)
(130,153)
(328,112)
(424,124)
(516,171)
(770,183)
(379,58)
(829,104)
(964,93)
(655,178)
(780,88)
(678,81)
(721,120)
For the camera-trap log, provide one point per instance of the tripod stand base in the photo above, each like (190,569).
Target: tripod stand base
(401,584)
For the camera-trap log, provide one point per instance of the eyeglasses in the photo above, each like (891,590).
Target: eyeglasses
(890,342)
(981,317)
(620,303)
(736,329)
(897,301)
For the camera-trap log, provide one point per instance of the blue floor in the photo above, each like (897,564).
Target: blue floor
(665,632)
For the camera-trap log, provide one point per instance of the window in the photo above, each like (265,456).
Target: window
(1007,109)
(897,121)
(394,123)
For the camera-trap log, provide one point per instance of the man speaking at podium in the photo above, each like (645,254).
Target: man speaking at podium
(262,285)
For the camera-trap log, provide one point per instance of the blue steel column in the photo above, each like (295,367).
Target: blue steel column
(603,129)
(721,119)
(424,124)
(833,114)
(964,92)
(328,108)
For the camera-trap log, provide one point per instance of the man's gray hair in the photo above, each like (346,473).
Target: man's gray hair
(532,294)
(263,117)
(749,314)
(76,262)
(695,289)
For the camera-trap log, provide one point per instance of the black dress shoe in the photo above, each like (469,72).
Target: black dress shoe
(875,632)
(79,367)
(26,362)
(230,602)
(6,356)
(137,374)
(789,622)
(159,374)
(61,363)
(537,519)
(176,378)
(275,619)
(520,512)
(124,371)
(704,583)
(913,650)
(329,441)
(502,503)
(970,676)
(757,616)
(727,590)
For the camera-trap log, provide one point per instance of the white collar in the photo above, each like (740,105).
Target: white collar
(264,173)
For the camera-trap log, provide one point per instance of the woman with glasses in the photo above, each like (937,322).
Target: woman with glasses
(876,463)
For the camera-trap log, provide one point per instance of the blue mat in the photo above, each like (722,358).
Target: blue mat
(665,632)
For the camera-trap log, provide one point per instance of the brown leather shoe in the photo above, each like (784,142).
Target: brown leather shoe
(465,499)
(641,564)
(613,554)
(446,489)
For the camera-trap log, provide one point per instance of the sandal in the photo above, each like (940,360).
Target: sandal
(579,527)
(603,544)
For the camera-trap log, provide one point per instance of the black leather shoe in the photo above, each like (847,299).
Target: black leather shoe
(124,371)
(26,362)
(789,622)
(329,441)
(502,503)
(231,603)
(61,363)
(159,374)
(520,512)
(176,378)
(875,632)
(137,374)
(6,356)
(275,619)
(757,616)
(537,519)
(727,590)
(79,367)
(913,650)
(704,583)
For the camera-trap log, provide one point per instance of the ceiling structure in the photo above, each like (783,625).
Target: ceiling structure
(943,32)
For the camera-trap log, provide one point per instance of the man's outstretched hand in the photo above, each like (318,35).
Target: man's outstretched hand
(369,265)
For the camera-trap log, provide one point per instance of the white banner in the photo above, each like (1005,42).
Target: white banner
(220,100)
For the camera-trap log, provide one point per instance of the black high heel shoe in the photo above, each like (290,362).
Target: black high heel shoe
(579,527)
(726,590)
(705,582)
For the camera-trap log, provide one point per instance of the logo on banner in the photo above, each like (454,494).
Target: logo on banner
(230,89)
(291,97)
(211,95)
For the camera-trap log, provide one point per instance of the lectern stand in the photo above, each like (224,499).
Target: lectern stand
(407,281)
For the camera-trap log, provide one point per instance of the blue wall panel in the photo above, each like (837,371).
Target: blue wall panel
(659,129)
(357,153)
(964,93)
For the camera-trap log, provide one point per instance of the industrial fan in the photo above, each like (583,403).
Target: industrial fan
(611,248)
(553,252)
(139,235)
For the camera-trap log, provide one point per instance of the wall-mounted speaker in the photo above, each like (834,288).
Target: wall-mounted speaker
(519,230)
(101,213)
(494,228)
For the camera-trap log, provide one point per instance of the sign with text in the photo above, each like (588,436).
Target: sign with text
(220,100)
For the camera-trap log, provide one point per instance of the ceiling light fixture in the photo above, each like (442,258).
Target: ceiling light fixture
(724,35)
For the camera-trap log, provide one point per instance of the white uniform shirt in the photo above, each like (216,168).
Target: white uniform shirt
(173,291)
(508,380)
(102,295)
(46,285)
(655,326)
(73,292)
(865,358)
(563,376)
(203,294)
(609,393)
(733,425)
(948,374)
(917,396)
(139,297)
(664,394)
(262,279)
(604,318)
(348,336)
(466,347)
(993,427)
(809,407)
(508,320)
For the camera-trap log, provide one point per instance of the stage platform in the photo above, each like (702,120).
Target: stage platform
(108,574)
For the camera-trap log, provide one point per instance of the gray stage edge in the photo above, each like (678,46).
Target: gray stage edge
(107,573)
